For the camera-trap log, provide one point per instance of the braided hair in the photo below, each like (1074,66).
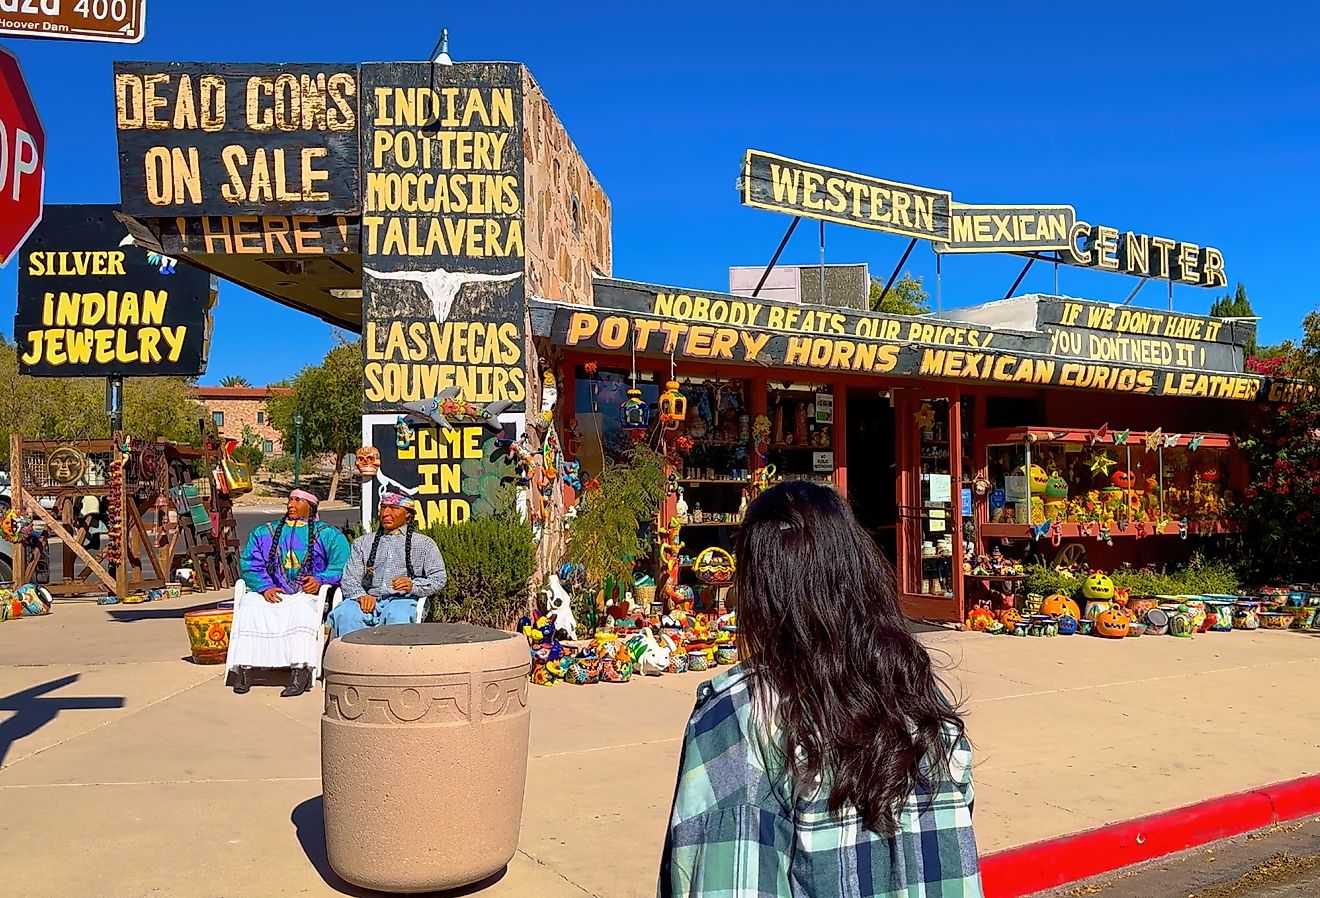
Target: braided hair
(273,564)
(370,569)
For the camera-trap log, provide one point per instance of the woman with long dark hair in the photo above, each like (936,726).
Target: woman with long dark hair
(829,762)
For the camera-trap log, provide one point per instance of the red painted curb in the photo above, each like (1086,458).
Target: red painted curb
(1033,868)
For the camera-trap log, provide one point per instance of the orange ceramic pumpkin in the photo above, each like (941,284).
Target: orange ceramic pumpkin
(1059,605)
(1010,618)
(1124,480)
(1113,624)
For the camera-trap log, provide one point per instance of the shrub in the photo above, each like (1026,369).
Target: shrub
(490,562)
(609,531)
(283,464)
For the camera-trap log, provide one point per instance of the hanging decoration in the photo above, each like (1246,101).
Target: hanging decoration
(925,416)
(403,433)
(634,414)
(1172,440)
(1097,435)
(1196,442)
(1121,437)
(549,396)
(1101,463)
(1154,438)
(17,525)
(673,404)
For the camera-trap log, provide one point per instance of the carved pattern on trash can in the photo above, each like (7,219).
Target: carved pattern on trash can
(399,702)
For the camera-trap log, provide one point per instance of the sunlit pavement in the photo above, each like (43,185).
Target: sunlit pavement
(128,770)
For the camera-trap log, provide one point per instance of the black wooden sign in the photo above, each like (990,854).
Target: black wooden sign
(260,235)
(442,232)
(237,138)
(88,306)
(814,191)
(452,475)
(1142,322)
(604,330)
(997,229)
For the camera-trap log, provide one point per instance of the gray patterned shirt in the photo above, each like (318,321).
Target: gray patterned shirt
(428,566)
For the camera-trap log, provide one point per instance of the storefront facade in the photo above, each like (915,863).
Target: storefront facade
(443,212)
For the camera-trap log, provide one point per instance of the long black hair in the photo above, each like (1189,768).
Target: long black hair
(274,562)
(830,659)
(368,573)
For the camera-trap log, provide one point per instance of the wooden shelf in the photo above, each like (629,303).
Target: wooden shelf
(1073,531)
(713,524)
(728,482)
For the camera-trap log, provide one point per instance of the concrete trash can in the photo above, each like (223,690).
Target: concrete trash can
(424,754)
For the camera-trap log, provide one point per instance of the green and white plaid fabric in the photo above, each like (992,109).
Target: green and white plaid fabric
(737,833)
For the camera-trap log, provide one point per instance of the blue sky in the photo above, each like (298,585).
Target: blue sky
(1193,121)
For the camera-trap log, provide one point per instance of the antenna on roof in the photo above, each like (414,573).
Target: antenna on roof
(440,53)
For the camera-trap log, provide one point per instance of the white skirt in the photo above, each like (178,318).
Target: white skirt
(276,634)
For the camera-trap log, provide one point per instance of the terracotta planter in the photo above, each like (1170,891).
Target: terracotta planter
(424,754)
(208,634)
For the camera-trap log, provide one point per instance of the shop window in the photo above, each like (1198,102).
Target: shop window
(218,418)
(599,395)
(801,431)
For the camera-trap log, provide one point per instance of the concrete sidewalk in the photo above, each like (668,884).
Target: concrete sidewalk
(126,770)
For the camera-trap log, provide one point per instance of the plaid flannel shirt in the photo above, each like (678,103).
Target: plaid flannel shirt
(737,833)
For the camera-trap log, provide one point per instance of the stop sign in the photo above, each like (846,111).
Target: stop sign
(22,159)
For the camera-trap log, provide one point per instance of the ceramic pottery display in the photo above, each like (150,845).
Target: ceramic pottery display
(1113,624)
(1157,622)
(208,634)
(1059,605)
(1094,609)
(1303,617)
(1181,625)
(1219,615)
(698,661)
(1098,587)
(1275,620)
(1246,616)
(1067,625)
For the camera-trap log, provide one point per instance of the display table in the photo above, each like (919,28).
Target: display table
(424,754)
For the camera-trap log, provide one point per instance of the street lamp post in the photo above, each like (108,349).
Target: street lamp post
(297,450)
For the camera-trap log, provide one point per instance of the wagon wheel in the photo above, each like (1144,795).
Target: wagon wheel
(1071,554)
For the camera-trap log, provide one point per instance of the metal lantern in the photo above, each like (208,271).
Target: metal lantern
(634,413)
(672,406)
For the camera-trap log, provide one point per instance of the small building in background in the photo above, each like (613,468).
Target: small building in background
(234,408)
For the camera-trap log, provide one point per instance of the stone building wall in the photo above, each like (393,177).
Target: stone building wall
(567,211)
(240,406)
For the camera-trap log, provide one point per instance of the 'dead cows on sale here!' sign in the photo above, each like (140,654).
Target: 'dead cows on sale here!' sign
(89,307)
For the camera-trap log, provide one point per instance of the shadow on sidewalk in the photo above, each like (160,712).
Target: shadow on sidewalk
(309,820)
(125,616)
(33,710)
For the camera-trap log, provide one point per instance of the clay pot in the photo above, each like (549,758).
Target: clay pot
(424,754)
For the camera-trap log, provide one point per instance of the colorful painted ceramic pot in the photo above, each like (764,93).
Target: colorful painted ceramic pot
(1096,608)
(173,590)
(1157,622)
(1218,615)
(726,654)
(541,674)
(1181,625)
(698,661)
(678,663)
(1085,627)
(36,600)
(1275,620)
(616,670)
(1196,608)
(1067,625)
(1136,628)
(1303,617)
(1138,607)
(1246,616)
(208,634)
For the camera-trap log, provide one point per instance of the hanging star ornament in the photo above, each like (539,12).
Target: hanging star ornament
(1121,437)
(1153,439)
(925,417)
(1102,464)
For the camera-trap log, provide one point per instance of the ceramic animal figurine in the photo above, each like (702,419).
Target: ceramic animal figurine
(559,605)
(449,405)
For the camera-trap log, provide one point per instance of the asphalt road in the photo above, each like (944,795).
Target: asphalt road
(1283,862)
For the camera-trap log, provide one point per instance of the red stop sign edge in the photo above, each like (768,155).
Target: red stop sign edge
(23,97)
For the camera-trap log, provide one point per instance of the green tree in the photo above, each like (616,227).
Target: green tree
(329,398)
(249,449)
(607,535)
(906,297)
(235,380)
(1235,306)
(73,408)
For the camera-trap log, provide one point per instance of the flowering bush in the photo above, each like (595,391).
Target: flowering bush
(1282,503)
